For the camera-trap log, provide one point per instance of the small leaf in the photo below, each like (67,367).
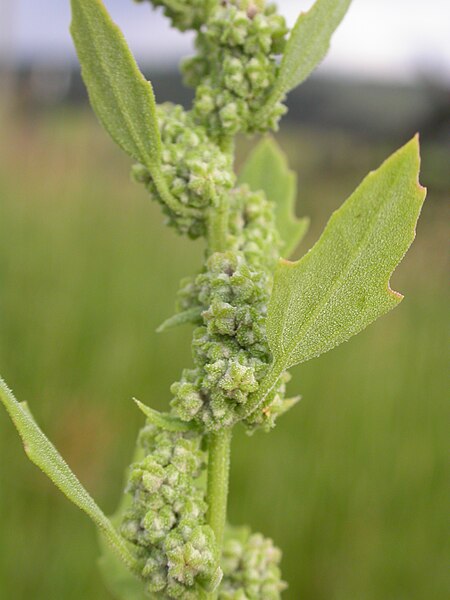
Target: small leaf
(120,95)
(164,420)
(192,315)
(45,456)
(308,43)
(342,284)
(122,584)
(266,169)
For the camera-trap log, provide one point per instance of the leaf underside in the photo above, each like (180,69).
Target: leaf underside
(342,284)
(266,169)
(120,95)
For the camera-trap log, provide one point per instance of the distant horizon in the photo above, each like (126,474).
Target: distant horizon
(404,40)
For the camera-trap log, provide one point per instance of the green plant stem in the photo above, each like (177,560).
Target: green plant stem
(218,226)
(219,446)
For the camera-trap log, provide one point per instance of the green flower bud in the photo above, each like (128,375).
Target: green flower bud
(230,351)
(195,169)
(252,228)
(236,67)
(250,564)
(167,516)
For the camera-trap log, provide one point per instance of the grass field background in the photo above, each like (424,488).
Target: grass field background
(351,484)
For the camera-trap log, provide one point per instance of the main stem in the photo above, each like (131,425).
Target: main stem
(219,444)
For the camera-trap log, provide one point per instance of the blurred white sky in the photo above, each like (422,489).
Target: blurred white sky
(381,39)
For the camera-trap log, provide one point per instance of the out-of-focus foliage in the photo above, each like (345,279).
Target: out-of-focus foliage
(352,486)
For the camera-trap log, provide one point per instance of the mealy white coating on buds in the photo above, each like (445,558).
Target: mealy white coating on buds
(166,521)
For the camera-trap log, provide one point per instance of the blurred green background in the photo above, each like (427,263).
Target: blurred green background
(351,484)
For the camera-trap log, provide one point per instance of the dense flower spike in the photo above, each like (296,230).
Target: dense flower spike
(236,66)
(252,228)
(166,520)
(230,349)
(238,42)
(173,534)
(196,171)
(251,568)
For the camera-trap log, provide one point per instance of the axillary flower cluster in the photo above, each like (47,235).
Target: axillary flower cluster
(253,316)
(237,43)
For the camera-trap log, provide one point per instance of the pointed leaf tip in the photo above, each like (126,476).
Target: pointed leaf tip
(309,42)
(342,284)
(121,97)
(164,421)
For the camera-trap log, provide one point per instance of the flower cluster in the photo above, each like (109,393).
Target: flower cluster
(166,520)
(236,66)
(197,173)
(252,228)
(251,569)
(184,15)
(230,350)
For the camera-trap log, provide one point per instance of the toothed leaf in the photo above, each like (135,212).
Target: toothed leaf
(342,284)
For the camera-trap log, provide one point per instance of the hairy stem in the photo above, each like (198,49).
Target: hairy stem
(218,226)
(219,445)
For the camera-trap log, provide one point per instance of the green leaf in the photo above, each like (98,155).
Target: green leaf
(164,420)
(122,584)
(266,169)
(192,316)
(45,456)
(120,95)
(308,43)
(342,284)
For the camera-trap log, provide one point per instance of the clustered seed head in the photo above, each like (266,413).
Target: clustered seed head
(252,228)
(230,350)
(251,569)
(184,15)
(234,72)
(197,173)
(236,66)
(166,520)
